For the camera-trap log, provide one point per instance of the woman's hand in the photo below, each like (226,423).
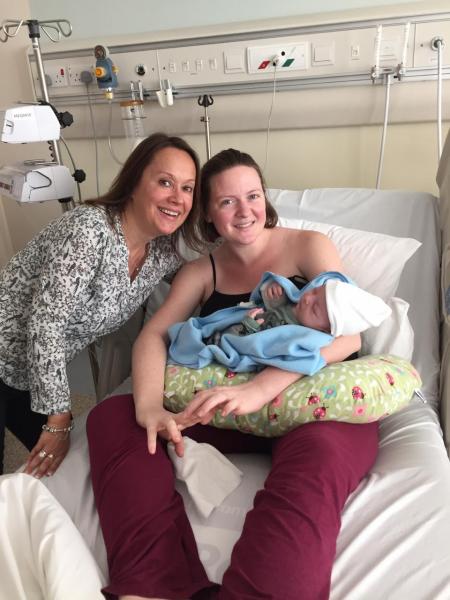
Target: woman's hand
(239,399)
(51,448)
(159,421)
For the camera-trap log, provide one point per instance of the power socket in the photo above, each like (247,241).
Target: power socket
(74,74)
(57,75)
(287,57)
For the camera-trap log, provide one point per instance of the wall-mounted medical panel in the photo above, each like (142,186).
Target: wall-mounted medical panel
(339,57)
(425,53)
(310,58)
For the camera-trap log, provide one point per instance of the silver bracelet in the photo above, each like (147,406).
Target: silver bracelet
(52,429)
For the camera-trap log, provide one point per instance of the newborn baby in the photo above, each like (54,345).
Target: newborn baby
(335,307)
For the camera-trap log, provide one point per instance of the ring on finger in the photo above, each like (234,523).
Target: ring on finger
(50,456)
(42,454)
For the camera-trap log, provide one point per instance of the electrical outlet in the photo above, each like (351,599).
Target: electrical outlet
(288,57)
(57,74)
(74,74)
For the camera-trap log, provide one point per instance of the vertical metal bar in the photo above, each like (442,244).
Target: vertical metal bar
(207,135)
(439,98)
(54,144)
(206,101)
(44,91)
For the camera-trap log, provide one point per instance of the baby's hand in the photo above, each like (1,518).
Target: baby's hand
(274,291)
(255,311)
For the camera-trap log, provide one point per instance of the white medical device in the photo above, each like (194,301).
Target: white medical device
(33,180)
(30,123)
(36,181)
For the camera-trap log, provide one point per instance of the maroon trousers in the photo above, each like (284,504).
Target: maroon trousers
(288,542)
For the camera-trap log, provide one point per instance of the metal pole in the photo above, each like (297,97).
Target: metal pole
(206,101)
(34,34)
(205,119)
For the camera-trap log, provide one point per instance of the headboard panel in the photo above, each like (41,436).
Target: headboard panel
(443,181)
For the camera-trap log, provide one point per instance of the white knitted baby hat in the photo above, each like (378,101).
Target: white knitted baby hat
(352,310)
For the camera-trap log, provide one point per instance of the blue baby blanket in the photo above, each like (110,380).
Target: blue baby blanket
(289,347)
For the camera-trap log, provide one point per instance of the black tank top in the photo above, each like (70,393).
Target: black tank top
(217,300)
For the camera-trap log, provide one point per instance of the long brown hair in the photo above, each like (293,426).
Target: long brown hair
(223,161)
(119,194)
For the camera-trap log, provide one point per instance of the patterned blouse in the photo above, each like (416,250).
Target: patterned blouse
(69,286)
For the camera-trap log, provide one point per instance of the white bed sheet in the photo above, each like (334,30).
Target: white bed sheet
(395,537)
(394,541)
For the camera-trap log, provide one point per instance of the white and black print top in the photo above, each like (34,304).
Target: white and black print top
(69,286)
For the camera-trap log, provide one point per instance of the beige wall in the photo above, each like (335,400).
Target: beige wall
(305,158)
(344,156)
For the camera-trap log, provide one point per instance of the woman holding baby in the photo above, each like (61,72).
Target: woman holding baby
(288,542)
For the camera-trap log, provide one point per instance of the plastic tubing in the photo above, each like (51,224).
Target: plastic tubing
(385,124)
(439,45)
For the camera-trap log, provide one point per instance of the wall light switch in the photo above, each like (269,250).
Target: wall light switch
(355,52)
(234,63)
(389,49)
(323,54)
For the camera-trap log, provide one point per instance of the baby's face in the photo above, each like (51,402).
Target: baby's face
(311,309)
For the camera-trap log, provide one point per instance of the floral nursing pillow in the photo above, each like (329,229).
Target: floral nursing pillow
(355,391)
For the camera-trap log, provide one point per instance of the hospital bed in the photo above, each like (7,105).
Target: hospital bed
(395,537)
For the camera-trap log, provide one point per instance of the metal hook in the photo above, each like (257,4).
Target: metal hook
(45,27)
(10,28)
(59,25)
(7,25)
(205,100)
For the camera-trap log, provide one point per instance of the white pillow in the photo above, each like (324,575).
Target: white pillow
(374,261)
(394,336)
(42,554)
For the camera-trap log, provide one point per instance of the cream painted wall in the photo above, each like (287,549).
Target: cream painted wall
(106,17)
(299,159)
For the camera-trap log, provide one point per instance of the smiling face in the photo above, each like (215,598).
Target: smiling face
(237,205)
(311,310)
(162,199)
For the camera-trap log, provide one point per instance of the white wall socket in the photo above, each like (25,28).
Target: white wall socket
(57,74)
(74,73)
(292,57)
